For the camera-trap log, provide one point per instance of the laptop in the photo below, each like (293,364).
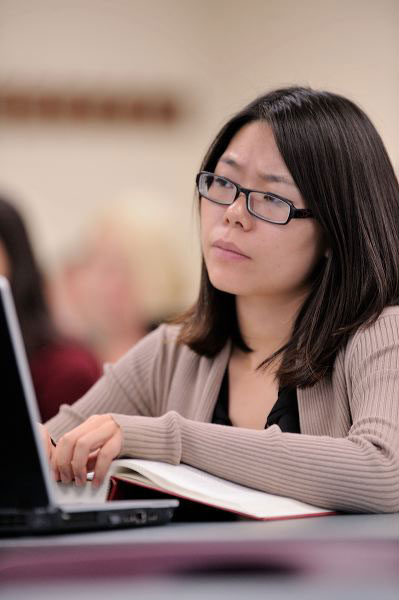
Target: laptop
(27,498)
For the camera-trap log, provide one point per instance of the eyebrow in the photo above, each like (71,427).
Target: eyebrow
(269,177)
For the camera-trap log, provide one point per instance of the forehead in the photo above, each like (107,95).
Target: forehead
(254,145)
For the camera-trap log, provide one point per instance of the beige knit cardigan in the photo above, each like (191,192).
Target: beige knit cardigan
(162,394)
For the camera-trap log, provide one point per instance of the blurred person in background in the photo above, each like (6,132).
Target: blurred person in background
(125,278)
(62,369)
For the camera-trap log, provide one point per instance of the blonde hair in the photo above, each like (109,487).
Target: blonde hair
(141,227)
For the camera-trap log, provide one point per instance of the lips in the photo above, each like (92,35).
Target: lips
(229,247)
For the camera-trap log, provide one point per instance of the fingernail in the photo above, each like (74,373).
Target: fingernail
(95,483)
(78,481)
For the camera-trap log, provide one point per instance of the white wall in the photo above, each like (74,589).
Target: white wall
(215,54)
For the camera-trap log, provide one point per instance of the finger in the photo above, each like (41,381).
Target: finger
(106,455)
(91,462)
(49,450)
(62,457)
(87,443)
(54,469)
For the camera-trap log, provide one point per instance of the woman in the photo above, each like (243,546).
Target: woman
(62,370)
(294,339)
(124,277)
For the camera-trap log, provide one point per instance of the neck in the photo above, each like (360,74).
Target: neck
(266,324)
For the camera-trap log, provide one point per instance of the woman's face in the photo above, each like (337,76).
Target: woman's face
(269,260)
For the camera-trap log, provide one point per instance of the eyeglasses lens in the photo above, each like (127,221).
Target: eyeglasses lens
(269,207)
(217,189)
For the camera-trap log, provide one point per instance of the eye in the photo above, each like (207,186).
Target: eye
(223,183)
(273,200)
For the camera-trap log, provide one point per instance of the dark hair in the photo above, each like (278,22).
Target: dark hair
(339,164)
(26,280)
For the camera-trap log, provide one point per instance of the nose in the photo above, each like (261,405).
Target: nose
(237,215)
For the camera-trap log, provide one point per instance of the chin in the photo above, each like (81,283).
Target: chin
(231,285)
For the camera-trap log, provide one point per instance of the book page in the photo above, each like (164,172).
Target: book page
(199,485)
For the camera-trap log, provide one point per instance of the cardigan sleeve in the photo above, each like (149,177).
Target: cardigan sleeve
(127,387)
(359,472)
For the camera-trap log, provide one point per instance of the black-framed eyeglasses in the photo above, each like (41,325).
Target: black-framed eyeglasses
(263,205)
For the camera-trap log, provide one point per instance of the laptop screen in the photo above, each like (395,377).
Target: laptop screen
(22,485)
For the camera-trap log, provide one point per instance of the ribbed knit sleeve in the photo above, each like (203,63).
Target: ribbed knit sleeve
(356,472)
(153,438)
(126,388)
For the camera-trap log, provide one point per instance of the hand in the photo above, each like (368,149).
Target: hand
(90,446)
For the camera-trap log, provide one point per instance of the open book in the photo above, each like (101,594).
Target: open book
(182,481)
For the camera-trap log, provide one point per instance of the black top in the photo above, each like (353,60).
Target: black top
(284,412)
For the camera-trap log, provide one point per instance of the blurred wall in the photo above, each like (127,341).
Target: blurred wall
(214,55)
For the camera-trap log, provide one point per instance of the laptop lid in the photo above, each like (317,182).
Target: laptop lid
(23,465)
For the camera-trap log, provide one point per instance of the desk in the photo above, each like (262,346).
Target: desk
(330,557)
